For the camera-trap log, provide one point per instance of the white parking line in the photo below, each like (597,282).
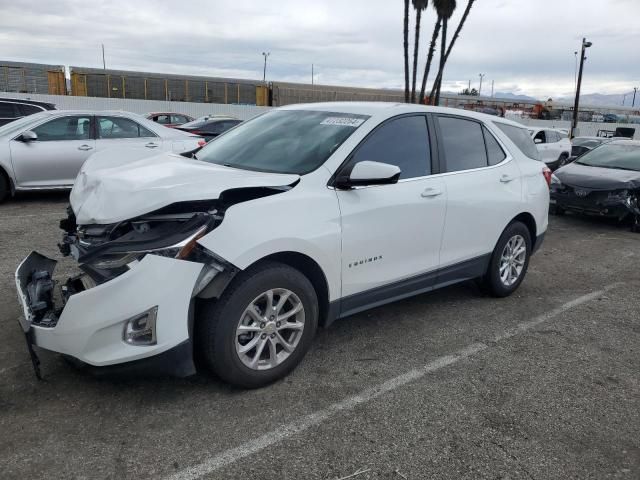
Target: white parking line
(251,447)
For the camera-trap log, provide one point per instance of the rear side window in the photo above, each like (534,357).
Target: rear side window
(494,150)
(521,138)
(29,109)
(463,144)
(403,142)
(119,127)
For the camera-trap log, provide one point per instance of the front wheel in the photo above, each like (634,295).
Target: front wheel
(261,327)
(509,261)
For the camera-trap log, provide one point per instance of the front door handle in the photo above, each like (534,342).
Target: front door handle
(507,178)
(85,147)
(431,192)
(151,145)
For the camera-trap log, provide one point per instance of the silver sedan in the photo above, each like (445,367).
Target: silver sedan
(46,150)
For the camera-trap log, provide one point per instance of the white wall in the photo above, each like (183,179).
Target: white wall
(64,102)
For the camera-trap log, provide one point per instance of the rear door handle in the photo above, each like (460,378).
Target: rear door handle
(431,192)
(507,178)
(85,147)
(151,145)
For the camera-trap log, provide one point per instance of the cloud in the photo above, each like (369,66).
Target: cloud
(524,46)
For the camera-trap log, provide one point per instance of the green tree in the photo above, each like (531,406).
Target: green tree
(427,65)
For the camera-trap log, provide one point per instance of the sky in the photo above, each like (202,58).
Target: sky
(525,46)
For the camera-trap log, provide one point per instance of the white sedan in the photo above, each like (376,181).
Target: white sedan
(553,146)
(47,150)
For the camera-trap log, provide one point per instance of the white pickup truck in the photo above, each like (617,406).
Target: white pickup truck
(553,146)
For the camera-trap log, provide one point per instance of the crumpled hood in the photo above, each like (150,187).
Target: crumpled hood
(109,192)
(598,178)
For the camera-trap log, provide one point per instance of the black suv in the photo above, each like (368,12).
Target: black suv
(13,108)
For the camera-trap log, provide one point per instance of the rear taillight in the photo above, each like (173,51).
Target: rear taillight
(202,143)
(546,172)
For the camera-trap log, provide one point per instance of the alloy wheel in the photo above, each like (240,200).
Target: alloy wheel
(512,260)
(270,329)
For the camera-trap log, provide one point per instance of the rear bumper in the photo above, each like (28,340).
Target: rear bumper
(89,325)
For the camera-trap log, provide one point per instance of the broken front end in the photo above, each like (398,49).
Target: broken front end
(130,308)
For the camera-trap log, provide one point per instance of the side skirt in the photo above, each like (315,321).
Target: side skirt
(409,287)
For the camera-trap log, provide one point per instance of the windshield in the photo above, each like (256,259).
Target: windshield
(282,141)
(18,125)
(586,142)
(199,122)
(619,156)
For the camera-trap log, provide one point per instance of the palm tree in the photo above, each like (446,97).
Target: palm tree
(445,9)
(438,82)
(427,65)
(406,51)
(419,6)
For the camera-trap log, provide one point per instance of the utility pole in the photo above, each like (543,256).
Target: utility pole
(574,123)
(492,88)
(633,104)
(624,98)
(104,65)
(575,72)
(312,74)
(264,72)
(481,75)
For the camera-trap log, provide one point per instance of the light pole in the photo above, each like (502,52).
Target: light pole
(633,104)
(104,65)
(264,71)
(575,72)
(574,123)
(624,98)
(481,75)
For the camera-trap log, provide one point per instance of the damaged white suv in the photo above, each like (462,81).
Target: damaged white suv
(287,222)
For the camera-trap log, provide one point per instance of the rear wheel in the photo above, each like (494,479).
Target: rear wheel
(261,327)
(509,261)
(4,186)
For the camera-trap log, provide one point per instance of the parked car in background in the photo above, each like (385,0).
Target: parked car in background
(604,181)
(47,149)
(13,108)
(202,254)
(169,119)
(210,127)
(553,146)
(582,145)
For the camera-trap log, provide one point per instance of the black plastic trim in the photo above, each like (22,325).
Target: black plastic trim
(409,287)
(538,243)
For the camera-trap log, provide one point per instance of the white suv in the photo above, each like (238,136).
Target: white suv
(553,146)
(298,217)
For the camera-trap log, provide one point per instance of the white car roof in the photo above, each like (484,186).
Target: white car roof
(389,109)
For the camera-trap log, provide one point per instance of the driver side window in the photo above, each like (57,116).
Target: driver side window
(403,142)
(65,128)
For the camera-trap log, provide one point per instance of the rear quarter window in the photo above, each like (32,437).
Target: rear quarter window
(521,138)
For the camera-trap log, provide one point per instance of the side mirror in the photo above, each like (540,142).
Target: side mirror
(369,173)
(29,136)
(537,140)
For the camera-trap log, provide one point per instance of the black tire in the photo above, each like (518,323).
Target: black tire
(562,161)
(216,323)
(492,281)
(4,187)
(556,210)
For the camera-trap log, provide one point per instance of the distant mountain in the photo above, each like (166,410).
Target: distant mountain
(603,100)
(513,96)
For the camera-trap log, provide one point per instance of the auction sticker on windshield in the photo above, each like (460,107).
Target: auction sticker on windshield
(344,121)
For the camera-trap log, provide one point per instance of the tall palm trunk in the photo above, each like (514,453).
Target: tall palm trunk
(406,51)
(453,40)
(443,54)
(427,65)
(416,47)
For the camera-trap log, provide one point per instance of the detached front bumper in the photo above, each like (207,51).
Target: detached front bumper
(90,324)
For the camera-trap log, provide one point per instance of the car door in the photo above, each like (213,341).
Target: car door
(391,233)
(55,157)
(554,145)
(484,192)
(118,131)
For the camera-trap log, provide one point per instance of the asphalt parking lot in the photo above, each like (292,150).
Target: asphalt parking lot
(451,384)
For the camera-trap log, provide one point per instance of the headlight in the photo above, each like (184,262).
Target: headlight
(180,250)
